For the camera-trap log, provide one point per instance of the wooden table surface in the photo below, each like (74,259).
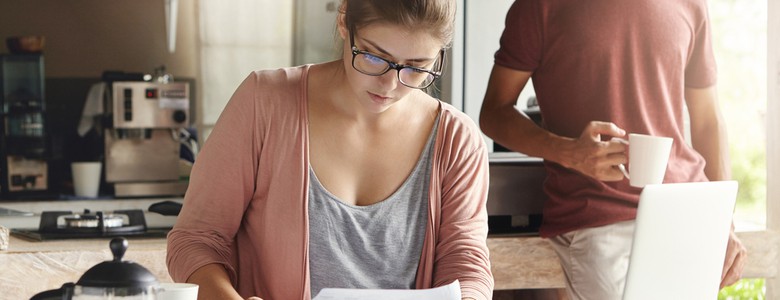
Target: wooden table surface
(29,267)
(530,262)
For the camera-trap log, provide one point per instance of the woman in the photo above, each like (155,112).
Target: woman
(341,174)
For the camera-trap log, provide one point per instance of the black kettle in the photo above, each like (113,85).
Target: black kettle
(113,279)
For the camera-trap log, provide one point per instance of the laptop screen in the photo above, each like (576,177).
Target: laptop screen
(680,240)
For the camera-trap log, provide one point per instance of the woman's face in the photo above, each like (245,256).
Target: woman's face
(393,43)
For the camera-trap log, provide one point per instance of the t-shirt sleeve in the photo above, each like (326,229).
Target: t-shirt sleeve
(701,70)
(521,41)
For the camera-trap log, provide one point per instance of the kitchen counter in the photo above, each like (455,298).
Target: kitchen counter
(524,263)
(530,262)
(31,267)
(517,262)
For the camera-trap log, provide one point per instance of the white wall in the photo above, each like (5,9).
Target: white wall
(86,37)
(480,26)
(238,37)
(315,38)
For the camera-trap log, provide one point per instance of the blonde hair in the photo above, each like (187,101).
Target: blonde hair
(436,16)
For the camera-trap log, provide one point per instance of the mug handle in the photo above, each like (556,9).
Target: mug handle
(625,172)
(622,167)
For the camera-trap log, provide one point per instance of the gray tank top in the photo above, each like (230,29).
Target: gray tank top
(373,246)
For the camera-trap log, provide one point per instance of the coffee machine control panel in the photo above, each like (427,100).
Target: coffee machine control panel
(150,104)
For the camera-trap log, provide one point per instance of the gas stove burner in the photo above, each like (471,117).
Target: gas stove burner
(93,224)
(90,220)
(69,225)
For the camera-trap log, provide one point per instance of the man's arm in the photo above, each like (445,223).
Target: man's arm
(502,122)
(708,132)
(709,138)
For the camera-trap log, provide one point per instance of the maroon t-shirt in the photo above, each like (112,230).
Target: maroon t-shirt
(621,61)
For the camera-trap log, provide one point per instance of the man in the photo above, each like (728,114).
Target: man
(601,69)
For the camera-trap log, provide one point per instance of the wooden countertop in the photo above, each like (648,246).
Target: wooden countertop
(530,262)
(524,263)
(517,262)
(20,245)
(31,267)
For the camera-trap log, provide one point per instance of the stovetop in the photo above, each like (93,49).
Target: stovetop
(57,225)
(34,234)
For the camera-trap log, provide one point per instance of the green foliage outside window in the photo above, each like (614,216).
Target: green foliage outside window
(739,31)
(745,289)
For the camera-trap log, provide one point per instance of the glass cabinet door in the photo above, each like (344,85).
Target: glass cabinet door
(23,139)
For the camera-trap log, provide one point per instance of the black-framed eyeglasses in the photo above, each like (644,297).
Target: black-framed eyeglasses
(370,64)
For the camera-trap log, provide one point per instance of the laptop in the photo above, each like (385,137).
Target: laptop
(680,240)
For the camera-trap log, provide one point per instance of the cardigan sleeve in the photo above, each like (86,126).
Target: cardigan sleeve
(222,183)
(461,250)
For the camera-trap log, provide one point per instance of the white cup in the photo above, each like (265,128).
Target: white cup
(177,291)
(86,178)
(647,159)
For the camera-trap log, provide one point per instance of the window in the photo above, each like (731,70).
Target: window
(739,32)
(236,38)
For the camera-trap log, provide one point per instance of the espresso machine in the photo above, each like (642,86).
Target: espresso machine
(142,148)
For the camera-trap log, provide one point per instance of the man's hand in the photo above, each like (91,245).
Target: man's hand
(593,157)
(736,255)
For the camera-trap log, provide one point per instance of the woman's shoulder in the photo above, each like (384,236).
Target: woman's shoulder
(453,117)
(265,93)
(458,128)
(279,78)
(268,86)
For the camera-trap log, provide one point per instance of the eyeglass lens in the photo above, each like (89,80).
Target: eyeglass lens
(373,65)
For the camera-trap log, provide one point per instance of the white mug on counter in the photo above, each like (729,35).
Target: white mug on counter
(647,159)
(86,178)
(177,291)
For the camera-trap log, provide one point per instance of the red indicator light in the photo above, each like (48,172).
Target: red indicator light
(151,93)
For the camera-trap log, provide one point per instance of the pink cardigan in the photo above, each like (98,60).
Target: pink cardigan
(246,206)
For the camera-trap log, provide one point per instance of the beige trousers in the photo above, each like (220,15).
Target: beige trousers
(595,260)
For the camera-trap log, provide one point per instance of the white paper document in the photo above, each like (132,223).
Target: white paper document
(446,292)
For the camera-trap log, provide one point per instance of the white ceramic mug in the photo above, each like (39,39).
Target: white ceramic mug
(86,178)
(647,159)
(177,291)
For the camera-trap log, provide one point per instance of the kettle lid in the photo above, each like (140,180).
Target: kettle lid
(118,273)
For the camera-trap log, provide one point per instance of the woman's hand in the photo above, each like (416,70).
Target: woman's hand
(254,298)
(213,283)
